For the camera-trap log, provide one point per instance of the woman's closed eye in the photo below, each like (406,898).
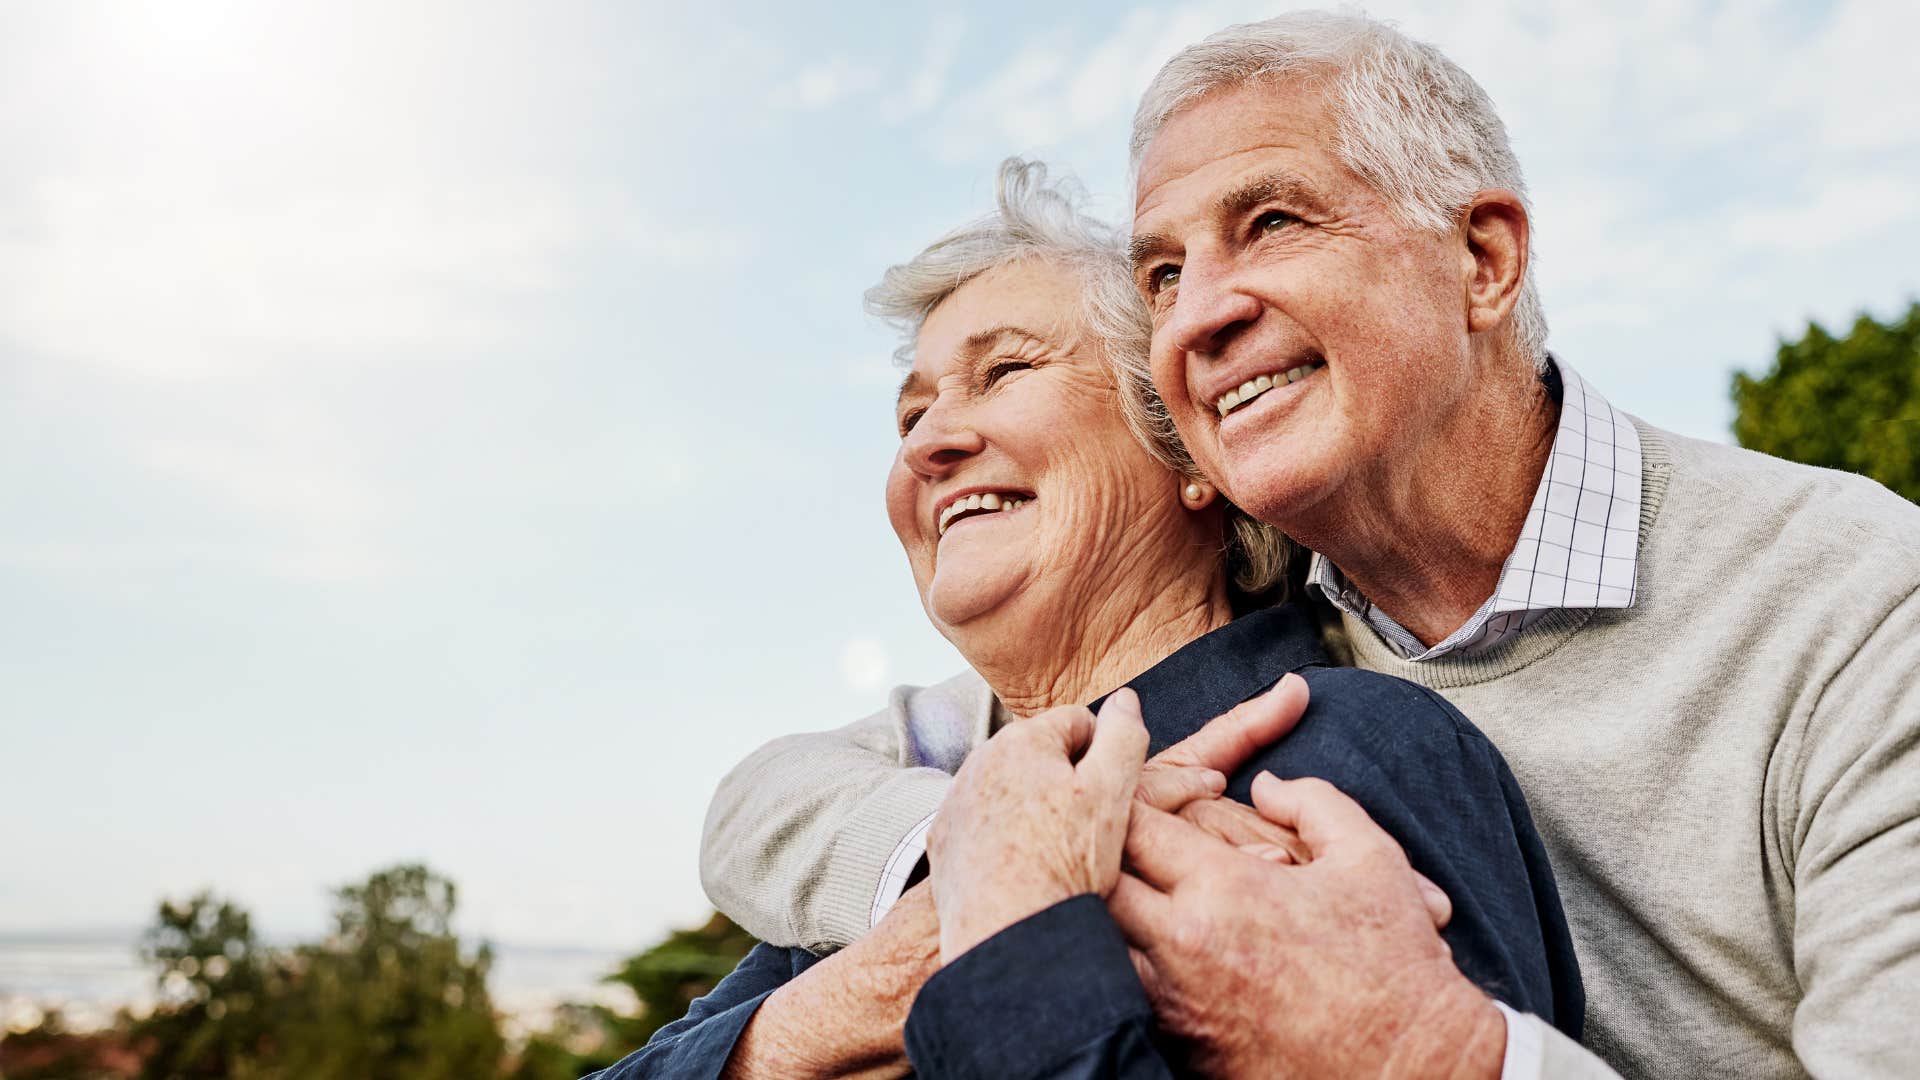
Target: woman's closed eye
(1003,369)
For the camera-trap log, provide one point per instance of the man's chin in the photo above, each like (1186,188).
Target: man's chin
(1278,495)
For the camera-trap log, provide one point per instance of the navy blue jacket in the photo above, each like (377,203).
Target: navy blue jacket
(1055,994)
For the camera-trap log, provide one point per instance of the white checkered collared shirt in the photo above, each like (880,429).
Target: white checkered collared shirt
(1579,547)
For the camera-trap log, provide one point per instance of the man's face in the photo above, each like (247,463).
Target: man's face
(1265,260)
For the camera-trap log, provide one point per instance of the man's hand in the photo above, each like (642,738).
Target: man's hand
(1195,768)
(1032,820)
(1188,778)
(1331,968)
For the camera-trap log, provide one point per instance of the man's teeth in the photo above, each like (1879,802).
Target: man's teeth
(989,500)
(1253,388)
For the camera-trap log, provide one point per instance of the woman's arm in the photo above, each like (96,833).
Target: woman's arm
(842,1016)
(846,1015)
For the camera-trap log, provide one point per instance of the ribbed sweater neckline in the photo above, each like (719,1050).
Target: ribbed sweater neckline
(1544,635)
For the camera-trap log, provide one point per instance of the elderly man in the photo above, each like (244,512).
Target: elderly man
(1702,664)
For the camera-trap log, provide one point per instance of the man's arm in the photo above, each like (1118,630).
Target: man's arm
(1853,837)
(799,836)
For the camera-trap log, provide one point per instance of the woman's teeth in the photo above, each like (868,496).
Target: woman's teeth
(1253,388)
(983,503)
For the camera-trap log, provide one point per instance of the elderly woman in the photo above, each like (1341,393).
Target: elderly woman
(1067,550)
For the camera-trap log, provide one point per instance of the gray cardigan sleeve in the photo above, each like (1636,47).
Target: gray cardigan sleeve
(798,836)
(1853,836)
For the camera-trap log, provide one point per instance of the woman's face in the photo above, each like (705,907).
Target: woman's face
(1018,489)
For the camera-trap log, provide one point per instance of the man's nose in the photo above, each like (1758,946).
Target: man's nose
(1208,308)
(941,438)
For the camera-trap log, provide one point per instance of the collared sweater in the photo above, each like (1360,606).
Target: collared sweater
(1726,775)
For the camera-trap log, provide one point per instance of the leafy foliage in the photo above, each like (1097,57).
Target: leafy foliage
(665,979)
(390,995)
(1848,403)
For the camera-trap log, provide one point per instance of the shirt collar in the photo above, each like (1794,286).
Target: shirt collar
(1579,546)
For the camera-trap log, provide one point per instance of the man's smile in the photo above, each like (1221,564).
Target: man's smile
(1255,387)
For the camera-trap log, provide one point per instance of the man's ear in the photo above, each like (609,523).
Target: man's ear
(1497,242)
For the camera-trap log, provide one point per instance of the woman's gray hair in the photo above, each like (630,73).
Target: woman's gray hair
(1040,219)
(1408,121)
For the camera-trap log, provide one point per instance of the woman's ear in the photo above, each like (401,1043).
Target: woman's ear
(1196,494)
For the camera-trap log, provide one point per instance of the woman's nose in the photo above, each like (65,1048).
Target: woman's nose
(941,439)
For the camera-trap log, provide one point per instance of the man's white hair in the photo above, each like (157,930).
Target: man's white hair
(1407,120)
(1042,220)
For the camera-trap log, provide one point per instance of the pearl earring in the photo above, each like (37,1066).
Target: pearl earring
(1193,493)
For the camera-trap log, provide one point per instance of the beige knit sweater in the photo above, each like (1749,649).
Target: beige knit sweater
(1727,776)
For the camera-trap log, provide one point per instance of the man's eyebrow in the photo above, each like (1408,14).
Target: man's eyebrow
(909,385)
(1278,187)
(1143,248)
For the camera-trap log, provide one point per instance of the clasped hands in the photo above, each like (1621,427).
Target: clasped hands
(1290,938)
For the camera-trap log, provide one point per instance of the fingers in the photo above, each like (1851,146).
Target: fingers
(1439,905)
(1272,853)
(1162,849)
(1237,824)
(1119,745)
(1170,787)
(1228,740)
(1067,729)
(1140,911)
(1322,815)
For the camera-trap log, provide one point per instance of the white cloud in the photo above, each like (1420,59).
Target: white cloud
(929,82)
(824,84)
(1053,89)
(1842,210)
(1860,77)
(172,277)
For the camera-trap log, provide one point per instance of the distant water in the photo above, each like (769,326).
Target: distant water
(89,977)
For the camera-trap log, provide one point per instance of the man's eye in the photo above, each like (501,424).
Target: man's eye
(1273,221)
(911,418)
(1164,278)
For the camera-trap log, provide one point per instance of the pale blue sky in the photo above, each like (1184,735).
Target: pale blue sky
(450,432)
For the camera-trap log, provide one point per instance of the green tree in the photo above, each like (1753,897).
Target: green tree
(665,979)
(218,989)
(1848,403)
(669,976)
(392,995)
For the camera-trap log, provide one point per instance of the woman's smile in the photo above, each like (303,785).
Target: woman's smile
(978,504)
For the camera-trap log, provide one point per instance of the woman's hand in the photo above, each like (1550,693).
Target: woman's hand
(1037,815)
